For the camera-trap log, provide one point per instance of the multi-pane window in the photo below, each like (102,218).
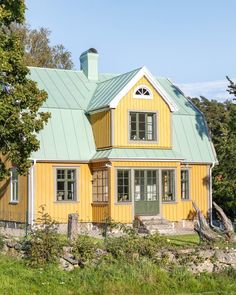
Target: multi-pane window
(123,186)
(66,184)
(184,184)
(168,185)
(100,186)
(14,185)
(146,185)
(142,91)
(142,126)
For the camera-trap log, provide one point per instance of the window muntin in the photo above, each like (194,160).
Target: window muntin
(65,184)
(185,184)
(142,92)
(14,185)
(123,186)
(168,185)
(146,185)
(100,186)
(142,126)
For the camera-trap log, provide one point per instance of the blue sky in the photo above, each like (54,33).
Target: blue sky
(191,42)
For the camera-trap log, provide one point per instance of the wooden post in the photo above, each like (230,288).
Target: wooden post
(73,226)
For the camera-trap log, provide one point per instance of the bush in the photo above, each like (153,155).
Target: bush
(133,246)
(85,248)
(44,243)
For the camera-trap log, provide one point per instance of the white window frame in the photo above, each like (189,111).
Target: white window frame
(143,96)
(14,195)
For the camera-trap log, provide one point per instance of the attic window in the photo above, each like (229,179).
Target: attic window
(142,92)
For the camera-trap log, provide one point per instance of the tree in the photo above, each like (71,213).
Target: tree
(20,99)
(39,52)
(221,119)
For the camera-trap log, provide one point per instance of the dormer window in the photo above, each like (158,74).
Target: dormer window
(142,92)
(142,126)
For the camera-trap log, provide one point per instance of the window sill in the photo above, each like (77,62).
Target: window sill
(133,141)
(100,203)
(169,202)
(65,202)
(186,200)
(123,203)
(14,202)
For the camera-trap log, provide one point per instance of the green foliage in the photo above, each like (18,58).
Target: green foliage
(44,244)
(37,49)
(20,99)
(130,248)
(85,248)
(221,119)
(110,224)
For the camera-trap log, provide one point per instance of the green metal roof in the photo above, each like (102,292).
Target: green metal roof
(68,136)
(141,154)
(108,89)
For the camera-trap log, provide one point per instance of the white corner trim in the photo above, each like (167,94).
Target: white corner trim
(144,72)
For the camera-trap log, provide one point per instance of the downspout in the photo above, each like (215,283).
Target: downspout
(31,193)
(210,193)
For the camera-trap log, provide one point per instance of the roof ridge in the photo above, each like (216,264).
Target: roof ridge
(119,75)
(44,68)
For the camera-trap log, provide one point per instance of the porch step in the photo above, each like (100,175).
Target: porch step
(155,224)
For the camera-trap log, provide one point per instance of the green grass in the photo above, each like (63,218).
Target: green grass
(184,240)
(144,277)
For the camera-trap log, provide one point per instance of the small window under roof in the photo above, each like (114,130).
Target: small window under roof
(142,92)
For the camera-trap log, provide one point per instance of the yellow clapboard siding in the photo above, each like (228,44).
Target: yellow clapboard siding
(157,104)
(45,192)
(101,128)
(199,190)
(176,211)
(13,212)
(125,213)
(100,212)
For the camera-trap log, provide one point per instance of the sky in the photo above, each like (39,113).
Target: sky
(191,42)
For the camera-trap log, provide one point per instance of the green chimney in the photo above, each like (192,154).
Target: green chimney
(89,64)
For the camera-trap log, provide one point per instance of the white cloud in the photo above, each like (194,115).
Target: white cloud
(211,90)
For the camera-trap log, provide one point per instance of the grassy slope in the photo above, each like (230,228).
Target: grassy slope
(119,278)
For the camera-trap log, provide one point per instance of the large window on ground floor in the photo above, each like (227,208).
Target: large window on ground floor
(168,185)
(65,184)
(100,186)
(146,185)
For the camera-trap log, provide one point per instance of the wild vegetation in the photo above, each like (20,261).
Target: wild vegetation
(221,120)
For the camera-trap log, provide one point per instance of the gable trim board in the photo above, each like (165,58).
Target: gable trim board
(142,72)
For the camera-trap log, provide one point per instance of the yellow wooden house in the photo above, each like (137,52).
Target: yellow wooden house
(116,146)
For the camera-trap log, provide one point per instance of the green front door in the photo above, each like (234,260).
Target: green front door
(146,192)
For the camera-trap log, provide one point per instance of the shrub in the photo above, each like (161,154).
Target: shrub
(44,243)
(133,246)
(84,248)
